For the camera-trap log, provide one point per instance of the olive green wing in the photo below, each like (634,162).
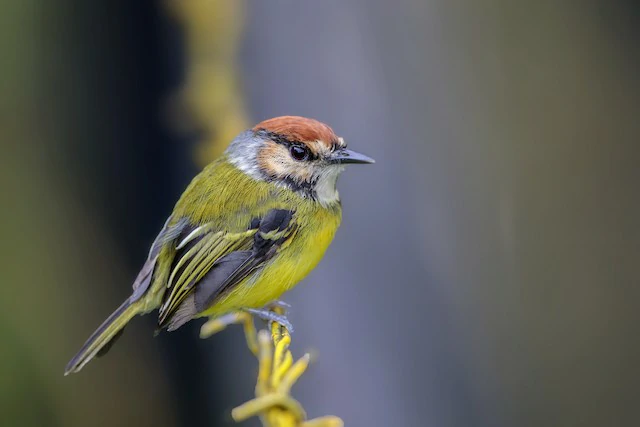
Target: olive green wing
(209,263)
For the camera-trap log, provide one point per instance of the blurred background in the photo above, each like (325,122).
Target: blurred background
(486,273)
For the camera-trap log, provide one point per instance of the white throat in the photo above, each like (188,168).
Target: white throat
(325,189)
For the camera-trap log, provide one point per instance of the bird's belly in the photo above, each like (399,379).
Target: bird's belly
(282,273)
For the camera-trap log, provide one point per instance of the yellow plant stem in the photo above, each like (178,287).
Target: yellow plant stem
(277,373)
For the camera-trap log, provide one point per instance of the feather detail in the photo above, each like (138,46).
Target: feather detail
(214,262)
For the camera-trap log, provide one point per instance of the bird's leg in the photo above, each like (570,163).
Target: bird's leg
(274,312)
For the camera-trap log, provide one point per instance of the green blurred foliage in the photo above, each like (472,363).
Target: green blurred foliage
(58,264)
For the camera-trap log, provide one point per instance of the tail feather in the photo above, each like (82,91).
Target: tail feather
(100,341)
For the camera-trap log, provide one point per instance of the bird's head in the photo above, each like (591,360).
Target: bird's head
(302,154)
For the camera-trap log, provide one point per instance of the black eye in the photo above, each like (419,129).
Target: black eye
(299,153)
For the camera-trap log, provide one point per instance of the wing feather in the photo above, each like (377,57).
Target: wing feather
(190,266)
(170,231)
(211,262)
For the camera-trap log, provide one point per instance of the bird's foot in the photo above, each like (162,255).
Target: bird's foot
(274,312)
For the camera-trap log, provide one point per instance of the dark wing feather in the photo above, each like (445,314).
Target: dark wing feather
(225,270)
(209,263)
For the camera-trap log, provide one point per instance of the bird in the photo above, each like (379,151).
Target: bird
(249,227)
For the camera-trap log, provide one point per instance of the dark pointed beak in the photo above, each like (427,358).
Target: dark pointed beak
(344,156)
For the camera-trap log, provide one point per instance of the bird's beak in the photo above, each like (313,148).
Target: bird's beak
(344,156)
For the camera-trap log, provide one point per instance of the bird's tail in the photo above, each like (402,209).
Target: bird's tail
(101,340)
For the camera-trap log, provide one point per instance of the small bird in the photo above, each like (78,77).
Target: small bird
(248,228)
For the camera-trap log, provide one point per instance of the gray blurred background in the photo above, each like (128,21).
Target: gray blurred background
(486,270)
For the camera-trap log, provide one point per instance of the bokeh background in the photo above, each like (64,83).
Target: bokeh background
(486,273)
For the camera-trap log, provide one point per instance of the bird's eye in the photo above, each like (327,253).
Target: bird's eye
(299,153)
